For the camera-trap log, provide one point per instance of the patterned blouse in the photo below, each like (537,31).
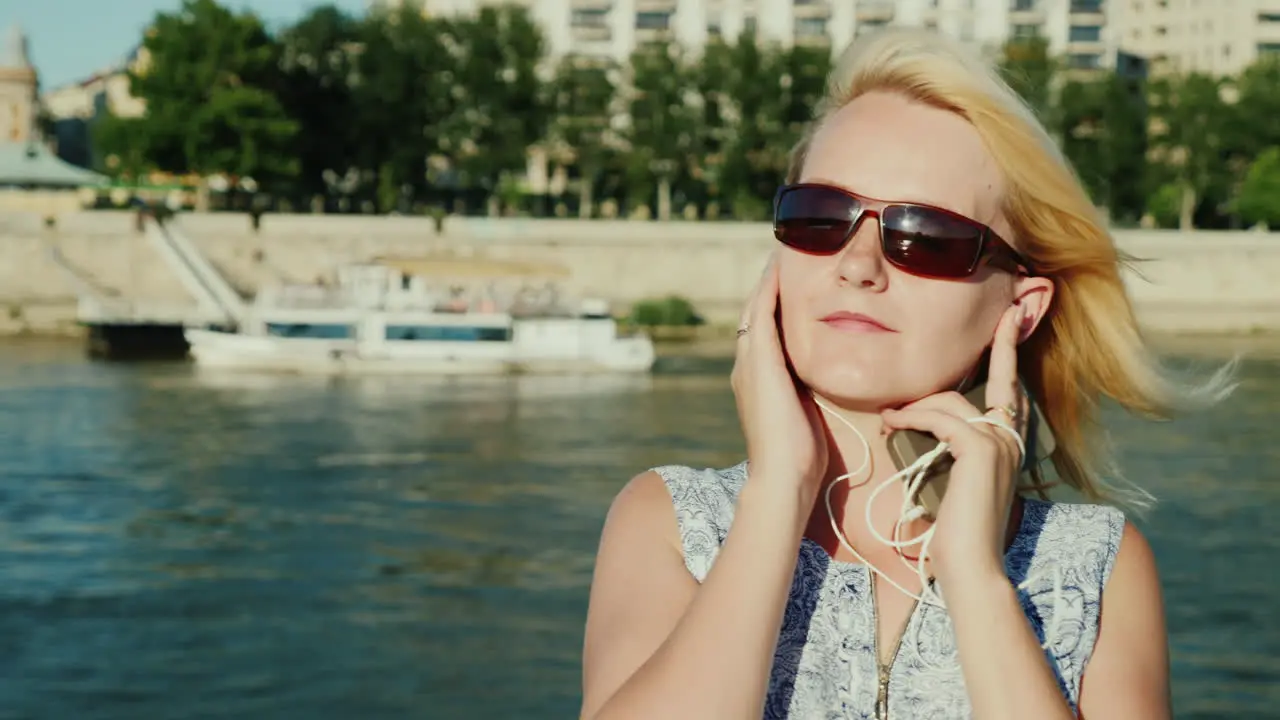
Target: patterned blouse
(825,665)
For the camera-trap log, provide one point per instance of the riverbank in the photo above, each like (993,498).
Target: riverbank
(719,342)
(1185,283)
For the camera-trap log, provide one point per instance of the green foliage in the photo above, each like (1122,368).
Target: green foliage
(393,109)
(1259,198)
(498,104)
(1028,68)
(318,68)
(1193,122)
(663,121)
(401,94)
(672,311)
(1165,204)
(209,90)
(1103,123)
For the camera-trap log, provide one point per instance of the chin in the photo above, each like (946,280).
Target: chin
(851,387)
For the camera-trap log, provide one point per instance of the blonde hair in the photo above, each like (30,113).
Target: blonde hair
(1089,345)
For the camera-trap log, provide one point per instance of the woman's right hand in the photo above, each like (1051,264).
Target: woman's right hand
(785,434)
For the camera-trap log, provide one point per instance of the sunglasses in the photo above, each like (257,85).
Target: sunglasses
(919,239)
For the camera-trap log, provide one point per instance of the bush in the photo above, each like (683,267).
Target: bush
(1165,205)
(668,311)
(1259,200)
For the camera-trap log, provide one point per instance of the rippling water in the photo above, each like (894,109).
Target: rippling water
(175,544)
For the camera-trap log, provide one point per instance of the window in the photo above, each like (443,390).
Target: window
(321,331)
(1023,5)
(811,27)
(590,18)
(1085,33)
(749,25)
(1268,17)
(1086,6)
(1268,48)
(653,21)
(869,26)
(1084,61)
(447,333)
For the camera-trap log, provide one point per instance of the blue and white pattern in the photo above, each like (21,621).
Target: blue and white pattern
(825,665)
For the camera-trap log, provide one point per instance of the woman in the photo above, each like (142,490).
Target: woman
(928,224)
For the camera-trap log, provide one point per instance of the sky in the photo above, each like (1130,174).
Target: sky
(69,40)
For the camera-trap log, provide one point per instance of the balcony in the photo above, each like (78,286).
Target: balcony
(1085,47)
(1267,32)
(591,33)
(600,6)
(872,11)
(654,34)
(1026,15)
(811,31)
(655,6)
(1084,12)
(811,9)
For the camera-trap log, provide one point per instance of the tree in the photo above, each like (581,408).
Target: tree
(1103,122)
(1026,65)
(319,64)
(1191,120)
(751,85)
(1259,198)
(1257,106)
(120,146)
(663,113)
(498,107)
(402,94)
(581,102)
(208,91)
(803,82)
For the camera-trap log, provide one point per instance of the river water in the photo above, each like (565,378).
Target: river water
(176,544)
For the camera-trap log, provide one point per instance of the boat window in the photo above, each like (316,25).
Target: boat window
(325,331)
(447,333)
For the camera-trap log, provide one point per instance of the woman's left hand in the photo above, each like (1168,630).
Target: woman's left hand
(969,532)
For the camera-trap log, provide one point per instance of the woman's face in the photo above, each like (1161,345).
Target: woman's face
(888,147)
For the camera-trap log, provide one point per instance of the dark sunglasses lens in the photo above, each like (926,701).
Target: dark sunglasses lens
(928,242)
(816,220)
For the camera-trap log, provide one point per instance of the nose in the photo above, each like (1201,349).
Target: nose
(860,262)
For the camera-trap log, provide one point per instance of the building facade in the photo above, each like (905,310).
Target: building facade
(1218,37)
(1075,29)
(19,87)
(73,107)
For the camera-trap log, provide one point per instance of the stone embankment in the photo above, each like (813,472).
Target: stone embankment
(1198,282)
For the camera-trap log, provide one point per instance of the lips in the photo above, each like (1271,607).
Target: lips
(855,322)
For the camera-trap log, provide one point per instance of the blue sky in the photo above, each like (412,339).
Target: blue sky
(71,39)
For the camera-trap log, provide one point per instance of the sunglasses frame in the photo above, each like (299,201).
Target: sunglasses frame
(993,250)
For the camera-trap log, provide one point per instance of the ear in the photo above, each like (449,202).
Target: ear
(1036,293)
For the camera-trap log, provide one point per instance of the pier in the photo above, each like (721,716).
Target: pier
(121,326)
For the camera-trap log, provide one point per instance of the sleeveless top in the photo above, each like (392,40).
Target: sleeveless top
(825,665)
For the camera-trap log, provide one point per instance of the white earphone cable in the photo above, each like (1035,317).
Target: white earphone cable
(914,476)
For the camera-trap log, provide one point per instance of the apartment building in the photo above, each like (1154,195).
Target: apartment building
(1219,37)
(612,28)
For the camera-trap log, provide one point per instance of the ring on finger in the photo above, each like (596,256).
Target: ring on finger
(742,329)
(1010,411)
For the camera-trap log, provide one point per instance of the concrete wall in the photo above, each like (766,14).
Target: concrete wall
(1194,282)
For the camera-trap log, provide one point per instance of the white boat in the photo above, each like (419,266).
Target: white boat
(413,316)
